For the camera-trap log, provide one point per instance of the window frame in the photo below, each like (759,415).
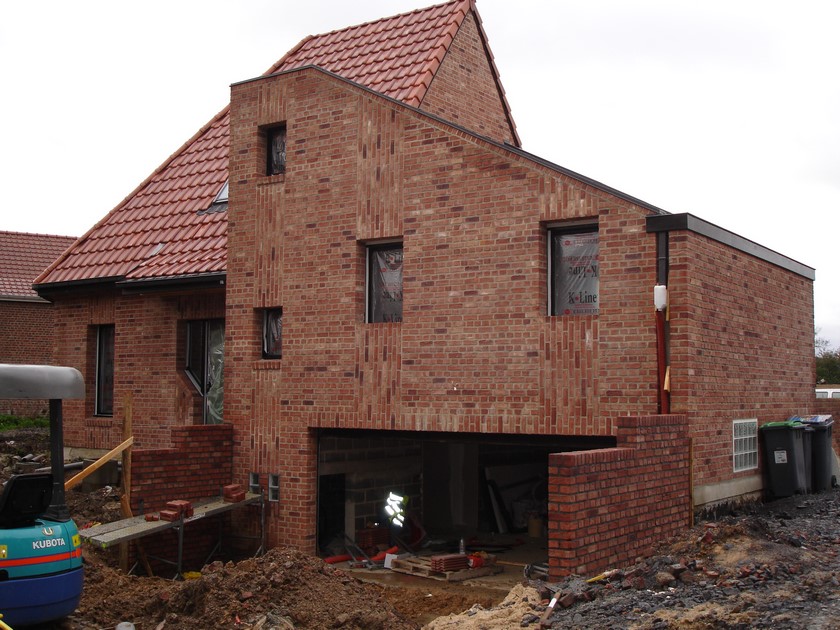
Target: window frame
(374,315)
(104,382)
(744,444)
(267,353)
(271,133)
(554,233)
(201,380)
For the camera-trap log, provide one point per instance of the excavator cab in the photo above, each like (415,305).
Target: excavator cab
(41,572)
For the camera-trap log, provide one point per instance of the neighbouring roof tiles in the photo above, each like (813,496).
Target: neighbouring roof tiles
(23,257)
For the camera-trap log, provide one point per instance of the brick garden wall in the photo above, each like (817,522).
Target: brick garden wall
(197,466)
(608,506)
(26,336)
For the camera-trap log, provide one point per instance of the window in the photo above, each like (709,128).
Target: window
(573,271)
(275,150)
(205,365)
(254,483)
(272,333)
(744,445)
(385,283)
(220,203)
(273,487)
(104,371)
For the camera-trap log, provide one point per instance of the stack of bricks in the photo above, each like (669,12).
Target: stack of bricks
(233,493)
(175,510)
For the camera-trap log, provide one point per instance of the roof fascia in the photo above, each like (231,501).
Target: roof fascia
(689,222)
(34,299)
(173,283)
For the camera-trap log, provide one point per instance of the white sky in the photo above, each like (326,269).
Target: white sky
(727,109)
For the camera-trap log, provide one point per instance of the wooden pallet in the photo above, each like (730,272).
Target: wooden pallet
(423,567)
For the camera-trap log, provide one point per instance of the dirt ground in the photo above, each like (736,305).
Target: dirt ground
(772,565)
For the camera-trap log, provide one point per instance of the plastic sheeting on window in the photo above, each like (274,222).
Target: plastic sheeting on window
(577,271)
(386,298)
(214,398)
(273,334)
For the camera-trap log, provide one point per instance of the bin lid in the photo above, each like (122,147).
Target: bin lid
(784,424)
(813,419)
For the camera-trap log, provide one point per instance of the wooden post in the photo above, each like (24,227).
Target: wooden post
(125,502)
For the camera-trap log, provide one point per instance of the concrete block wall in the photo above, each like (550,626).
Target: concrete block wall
(608,506)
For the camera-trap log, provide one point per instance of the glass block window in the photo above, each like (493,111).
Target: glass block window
(744,445)
(273,487)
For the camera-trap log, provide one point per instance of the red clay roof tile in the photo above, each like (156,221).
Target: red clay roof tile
(396,56)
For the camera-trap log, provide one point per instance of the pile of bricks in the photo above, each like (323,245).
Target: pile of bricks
(175,510)
(233,493)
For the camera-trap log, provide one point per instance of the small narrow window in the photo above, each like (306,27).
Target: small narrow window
(744,445)
(276,150)
(272,333)
(385,283)
(273,487)
(573,271)
(254,482)
(105,371)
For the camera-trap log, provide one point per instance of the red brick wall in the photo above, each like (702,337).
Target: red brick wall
(196,467)
(464,89)
(742,346)
(149,359)
(476,351)
(26,336)
(607,507)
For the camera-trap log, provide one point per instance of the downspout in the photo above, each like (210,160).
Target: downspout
(661,304)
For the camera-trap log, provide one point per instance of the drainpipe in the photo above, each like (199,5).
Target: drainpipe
(660,302)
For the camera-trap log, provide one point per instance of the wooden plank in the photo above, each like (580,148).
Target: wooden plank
(109,534)
(99,463)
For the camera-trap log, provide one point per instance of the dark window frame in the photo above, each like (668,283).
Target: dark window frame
(198,364)
(389,308)
(275,150)
(104,387)
(272,333)
(557,284)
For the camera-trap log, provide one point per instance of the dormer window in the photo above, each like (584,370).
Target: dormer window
(276,150)
(220,203)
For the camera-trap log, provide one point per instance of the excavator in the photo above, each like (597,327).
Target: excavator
(41,571)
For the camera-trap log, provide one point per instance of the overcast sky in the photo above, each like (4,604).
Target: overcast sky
(724,109)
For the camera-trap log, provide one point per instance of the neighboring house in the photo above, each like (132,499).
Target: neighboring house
(391,295)
(26,319)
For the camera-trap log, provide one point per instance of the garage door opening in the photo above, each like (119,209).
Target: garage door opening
(453,486)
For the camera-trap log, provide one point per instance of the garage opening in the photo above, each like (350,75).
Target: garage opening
(451,486)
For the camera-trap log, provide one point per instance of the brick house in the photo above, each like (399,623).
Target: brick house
(357,282)
(26,319)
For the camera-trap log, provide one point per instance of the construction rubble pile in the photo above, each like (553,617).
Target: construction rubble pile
(771,565)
